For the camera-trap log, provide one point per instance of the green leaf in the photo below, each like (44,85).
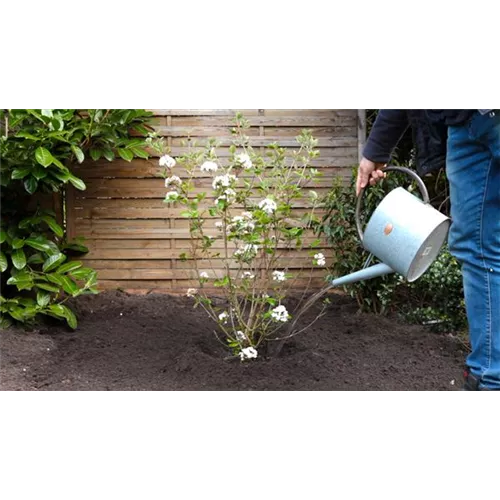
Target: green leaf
(55,278)
(49,288)
(3,262)
(78,153)
(39,172)
(54,226)
(92,280)
(38,243)
(78,183)
(141,129)
(26,135)
(67,284)
(62,311)
(53,248)
(57,123)
(62,176)
(44,157)
(19,258)
(31,184)
(95,153)
(108,154)
(42,298)
(17,313)
(22,280)
(36,258)
(53,261)
(76,247)
(17,243)
(24,285)
(57,163)
(20,173)
(140,152)
(70,317)
(3,236)
(5,322)
(57,310)
(82,273)
(69,266)
(37,115)
(126,154)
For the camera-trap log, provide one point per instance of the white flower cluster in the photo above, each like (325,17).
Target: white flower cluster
(240,336)
(172,196)
(228,196)
(269,206)
(209,166)
(219,225)
(279,276)
(167,161)
(171,182)
(248,353)
(191,292)
(174,180)
(319,259)
(223,317)
(248,252)
(244,160)
(243,223)
(280,314)
(247,275)
(223,181)
(204,275)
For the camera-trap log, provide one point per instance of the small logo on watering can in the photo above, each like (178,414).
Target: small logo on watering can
(388,229)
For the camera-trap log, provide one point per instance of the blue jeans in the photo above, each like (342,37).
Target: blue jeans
(473,171)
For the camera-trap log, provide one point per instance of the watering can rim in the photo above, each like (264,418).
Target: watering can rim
(421,186)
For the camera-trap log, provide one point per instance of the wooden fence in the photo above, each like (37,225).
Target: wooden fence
(135,240)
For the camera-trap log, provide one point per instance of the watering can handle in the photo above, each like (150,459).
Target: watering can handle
(404,170)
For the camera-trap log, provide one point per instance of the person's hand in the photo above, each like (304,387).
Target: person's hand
(369,173)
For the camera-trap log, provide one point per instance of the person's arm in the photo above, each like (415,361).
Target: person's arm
(386,132)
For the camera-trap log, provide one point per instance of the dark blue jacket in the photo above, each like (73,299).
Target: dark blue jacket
(430,133)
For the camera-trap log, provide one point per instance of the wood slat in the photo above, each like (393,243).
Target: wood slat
(293,260)
(149,169)
(147,192)
(88,210)
(101,205)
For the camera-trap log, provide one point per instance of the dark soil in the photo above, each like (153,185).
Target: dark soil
(158,342)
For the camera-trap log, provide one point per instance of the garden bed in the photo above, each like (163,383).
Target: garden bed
(158,342)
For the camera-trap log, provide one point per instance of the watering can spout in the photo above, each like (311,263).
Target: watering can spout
(365,274)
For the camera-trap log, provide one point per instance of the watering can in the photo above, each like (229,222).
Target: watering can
(404,233)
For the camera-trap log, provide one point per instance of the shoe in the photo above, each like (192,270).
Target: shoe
(473,384)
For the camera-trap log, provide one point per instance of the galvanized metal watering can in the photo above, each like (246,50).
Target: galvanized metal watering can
(404,233)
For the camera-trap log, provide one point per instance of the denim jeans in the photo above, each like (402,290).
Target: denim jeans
(473,171)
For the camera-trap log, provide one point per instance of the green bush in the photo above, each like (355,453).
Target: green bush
(437,298)
(37,149)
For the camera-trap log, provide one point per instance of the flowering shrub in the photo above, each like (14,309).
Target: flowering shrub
(240,241)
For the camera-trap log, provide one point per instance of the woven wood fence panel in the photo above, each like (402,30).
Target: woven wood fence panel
(135,239)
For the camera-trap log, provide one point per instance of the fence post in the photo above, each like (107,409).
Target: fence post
(361,132)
